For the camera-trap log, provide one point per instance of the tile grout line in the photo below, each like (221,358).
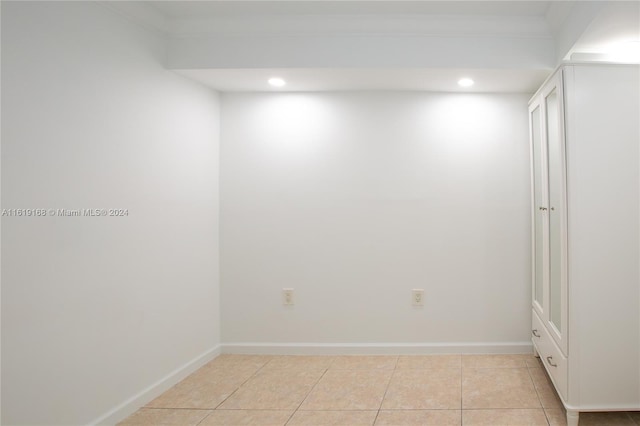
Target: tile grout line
(393,372)
(307,395)
(461,384)
(233,393)
(254,375)
(243,383)
(204,418)
(195,408)
(537,393)
(176,408)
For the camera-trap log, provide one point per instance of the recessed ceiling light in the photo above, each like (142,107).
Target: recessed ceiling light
(277,82)
(465,82)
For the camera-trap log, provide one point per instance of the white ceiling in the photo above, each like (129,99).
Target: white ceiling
(321,79)
(506,46)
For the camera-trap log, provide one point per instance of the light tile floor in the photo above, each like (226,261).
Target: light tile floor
(495,390)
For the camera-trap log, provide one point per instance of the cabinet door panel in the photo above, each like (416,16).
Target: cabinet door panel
(539,204)
(556,231)
(556,184)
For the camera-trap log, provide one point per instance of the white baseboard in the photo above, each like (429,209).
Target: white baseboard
(138,400)
(377,348)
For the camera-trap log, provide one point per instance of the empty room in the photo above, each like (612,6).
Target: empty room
(328,212)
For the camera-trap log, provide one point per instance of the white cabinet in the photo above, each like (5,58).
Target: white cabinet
(585,157)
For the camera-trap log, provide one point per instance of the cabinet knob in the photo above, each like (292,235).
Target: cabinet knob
(549,358)
(535,333)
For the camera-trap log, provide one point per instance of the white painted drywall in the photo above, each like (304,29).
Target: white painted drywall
(328,36)
(96,309)
(568,32)
(334,50)
(353,199)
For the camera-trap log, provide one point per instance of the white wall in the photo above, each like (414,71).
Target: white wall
(354,199)
(94,310)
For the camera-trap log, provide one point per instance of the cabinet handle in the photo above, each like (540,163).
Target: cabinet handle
(549,358)
(543,208)
(535,333)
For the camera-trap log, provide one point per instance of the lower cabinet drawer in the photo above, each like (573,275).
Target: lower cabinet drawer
(551,356)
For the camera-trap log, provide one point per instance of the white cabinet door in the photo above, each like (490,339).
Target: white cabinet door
(539,217)
(549,216)
(554,137)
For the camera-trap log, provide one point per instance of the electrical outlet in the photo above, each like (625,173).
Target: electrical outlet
(287,296)
(417,297)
